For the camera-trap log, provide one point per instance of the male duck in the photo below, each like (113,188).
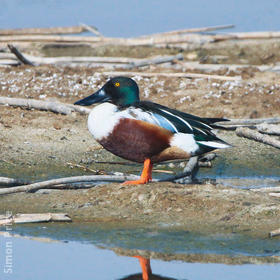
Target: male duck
(143,131)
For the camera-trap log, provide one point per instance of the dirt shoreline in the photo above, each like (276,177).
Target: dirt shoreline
(202,208)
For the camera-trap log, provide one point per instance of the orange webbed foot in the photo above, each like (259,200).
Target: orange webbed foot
(146,175)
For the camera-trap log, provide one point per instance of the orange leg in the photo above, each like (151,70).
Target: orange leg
(146,175)
(145,266)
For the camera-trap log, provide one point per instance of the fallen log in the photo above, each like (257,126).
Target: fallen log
(269,129)
(55,107)
(44,30)
(33,218)
(254,135)
(172,75)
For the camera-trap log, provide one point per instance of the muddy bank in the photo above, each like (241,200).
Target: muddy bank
(201,208)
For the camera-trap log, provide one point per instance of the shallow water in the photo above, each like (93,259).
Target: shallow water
(89,251)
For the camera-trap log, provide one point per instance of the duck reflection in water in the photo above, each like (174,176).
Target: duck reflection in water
(146,272)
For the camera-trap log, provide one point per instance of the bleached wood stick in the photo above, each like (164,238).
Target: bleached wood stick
(274,194)
(269,129)
(7,56)
(109,40)
(156,60)
(55,107)
(173,75)
(68,180)
(254,135)
(196,65)
(46,30)
(34,218)
(190,30)
(187,174)
(266,189)
(74,59)
(9,62)
(19,55)
(247,35)
(275,232)
(10,182)
(91,29)
(250,122)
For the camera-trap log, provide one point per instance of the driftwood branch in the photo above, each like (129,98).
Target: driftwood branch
(19,55)
(55,107)
(91,29)
(34,218)
(190,30)
(269,129)
(249,122)
(187,175)
(196,65)
(259,137)
(156,60)
(44,31)
(275,232)
(11,182)
(247,35)
(172,75)
(129,62)
(76,179)
(100,41)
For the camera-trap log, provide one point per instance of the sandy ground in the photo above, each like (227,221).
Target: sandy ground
(37,145)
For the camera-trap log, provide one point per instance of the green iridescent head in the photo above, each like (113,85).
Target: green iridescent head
(121,91)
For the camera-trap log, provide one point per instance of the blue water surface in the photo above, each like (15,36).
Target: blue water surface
(130,18)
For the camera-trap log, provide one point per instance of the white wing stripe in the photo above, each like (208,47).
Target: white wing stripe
(214,144)
(184,121)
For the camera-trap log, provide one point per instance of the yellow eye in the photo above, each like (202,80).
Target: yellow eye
(117,84)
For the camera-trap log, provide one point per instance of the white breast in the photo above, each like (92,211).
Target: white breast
(102,120)
(104,117)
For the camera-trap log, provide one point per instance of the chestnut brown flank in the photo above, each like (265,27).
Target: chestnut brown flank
(137,140)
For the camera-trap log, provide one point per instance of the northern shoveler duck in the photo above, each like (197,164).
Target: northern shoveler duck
(143,131)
